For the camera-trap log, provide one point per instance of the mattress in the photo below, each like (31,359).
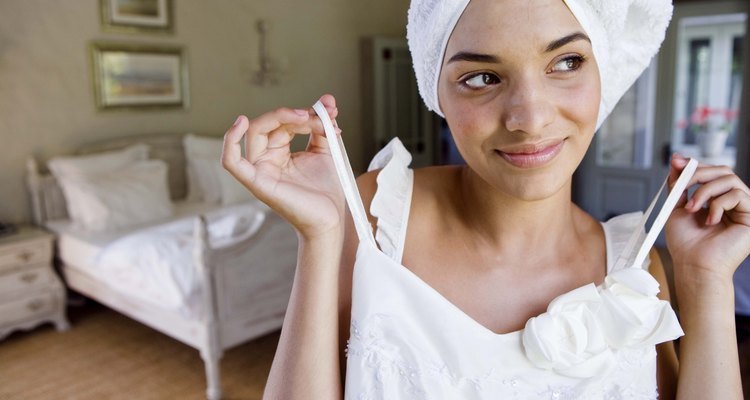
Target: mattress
(154,262)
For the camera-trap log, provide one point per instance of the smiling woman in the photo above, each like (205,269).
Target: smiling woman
(485,281)
(531,80)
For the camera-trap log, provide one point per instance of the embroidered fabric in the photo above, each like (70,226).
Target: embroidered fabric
(409,342)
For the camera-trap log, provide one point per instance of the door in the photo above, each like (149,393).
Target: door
(708,84)
(619,173)
(628,159)
(391,104)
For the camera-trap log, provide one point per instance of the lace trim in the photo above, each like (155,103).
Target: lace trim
(392,200)
(383,368)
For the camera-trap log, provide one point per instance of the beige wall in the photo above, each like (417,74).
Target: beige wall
(46,96)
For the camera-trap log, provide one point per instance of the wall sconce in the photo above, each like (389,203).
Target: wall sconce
(268,73)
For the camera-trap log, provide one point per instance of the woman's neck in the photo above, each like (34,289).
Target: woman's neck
(517,227)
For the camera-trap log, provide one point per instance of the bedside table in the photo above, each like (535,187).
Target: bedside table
(30,291)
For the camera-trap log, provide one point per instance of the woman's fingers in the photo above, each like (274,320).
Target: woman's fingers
(232,150)
(735,203)
(677,164)
(231,155)
(707,173)
(713,189)
(317,141)
(273,131)
(256,142)
(720,190)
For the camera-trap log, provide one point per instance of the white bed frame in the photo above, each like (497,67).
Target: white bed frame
(232,317)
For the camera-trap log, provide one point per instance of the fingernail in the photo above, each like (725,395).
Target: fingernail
(300,112)
(690,204)
(237,121)
(338,130)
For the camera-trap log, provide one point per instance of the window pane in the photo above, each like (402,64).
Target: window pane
(616,138)
(735,89)
(625,139)
(698,80)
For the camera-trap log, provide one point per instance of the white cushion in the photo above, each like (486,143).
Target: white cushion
(201,153)
(66,168)
(133,195)
(207,179)
(210,181)
(232,191)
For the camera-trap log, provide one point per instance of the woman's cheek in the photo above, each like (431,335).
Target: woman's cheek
(581,103)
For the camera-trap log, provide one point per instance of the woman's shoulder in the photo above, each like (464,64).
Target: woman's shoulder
(428,184)
(433,179)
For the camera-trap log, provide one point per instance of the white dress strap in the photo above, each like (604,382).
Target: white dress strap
(635,253)
(346,177)
(392,200)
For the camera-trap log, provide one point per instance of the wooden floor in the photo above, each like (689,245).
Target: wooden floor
(107,356)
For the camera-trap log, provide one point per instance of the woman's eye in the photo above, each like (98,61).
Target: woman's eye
(568,64)
(481,81)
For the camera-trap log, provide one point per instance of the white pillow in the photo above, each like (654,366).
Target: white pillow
(133,195)
(206,178)
(232,191)
(201,153)
(210,181)
(71,167)
(97,163)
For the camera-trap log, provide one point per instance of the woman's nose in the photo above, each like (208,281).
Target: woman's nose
(527,108)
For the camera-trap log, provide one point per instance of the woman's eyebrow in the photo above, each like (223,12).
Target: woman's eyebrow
(554,45)
(488,58)
(473,57)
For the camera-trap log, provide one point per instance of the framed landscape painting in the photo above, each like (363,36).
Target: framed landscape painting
(136,76)
(137,15)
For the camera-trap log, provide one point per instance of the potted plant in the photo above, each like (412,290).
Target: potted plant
(711,128)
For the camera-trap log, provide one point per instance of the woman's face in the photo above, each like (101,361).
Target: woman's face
(520,90)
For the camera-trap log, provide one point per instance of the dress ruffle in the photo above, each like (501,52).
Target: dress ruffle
(392,201)
(582,329)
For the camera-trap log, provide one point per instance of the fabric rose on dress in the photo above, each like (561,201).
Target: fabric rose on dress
(582,329)
(568,338)
(632,315)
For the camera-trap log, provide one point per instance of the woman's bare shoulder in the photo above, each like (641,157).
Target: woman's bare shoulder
(428,181)
(433,185)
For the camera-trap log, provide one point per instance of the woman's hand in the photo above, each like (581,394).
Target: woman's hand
(708,235)
(302,187)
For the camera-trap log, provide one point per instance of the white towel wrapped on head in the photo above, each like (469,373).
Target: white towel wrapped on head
(625,36)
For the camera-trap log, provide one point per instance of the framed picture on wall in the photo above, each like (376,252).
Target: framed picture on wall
(139,76)
(137,15)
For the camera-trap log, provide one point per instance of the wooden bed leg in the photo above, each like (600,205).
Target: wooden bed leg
(32,182)
(212,350)
(213,377)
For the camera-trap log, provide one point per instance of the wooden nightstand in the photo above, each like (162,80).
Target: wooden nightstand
(30,291)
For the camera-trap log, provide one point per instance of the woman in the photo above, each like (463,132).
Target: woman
(459,304)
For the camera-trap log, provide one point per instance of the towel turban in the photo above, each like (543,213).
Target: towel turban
(625,36)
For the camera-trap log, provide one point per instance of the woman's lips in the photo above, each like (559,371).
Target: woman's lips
(532,156)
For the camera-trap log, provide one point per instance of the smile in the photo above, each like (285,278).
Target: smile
(532,155)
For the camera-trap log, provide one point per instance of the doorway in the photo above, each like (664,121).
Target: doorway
(693,85)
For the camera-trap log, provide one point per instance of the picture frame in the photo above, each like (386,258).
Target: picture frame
(150,16)
(139,76)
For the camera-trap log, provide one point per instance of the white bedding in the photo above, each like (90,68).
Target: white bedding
(155,262)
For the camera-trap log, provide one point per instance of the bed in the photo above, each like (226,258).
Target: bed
(229,276)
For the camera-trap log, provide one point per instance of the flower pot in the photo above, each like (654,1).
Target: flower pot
(712,143)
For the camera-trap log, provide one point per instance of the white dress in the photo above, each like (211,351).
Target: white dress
(409,342)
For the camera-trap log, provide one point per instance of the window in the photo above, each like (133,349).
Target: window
(708,82)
